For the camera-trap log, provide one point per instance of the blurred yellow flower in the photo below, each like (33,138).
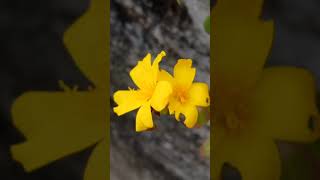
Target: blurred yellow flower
(254,106)
(186,95)
(57,124)
(151,93)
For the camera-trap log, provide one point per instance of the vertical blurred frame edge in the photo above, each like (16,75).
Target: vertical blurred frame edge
(211,90)
(108,87)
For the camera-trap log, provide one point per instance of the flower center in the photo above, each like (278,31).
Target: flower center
(147,93)
(235,118)
(181,95)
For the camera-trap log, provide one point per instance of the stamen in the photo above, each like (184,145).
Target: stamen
(182,96)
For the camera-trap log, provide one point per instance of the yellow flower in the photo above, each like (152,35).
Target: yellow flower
(57,124)
(151,93)
(186,95)
(253,106)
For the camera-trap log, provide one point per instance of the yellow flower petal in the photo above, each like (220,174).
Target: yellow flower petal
(140,126)
(254,156)
(199,94)
(161,95)
(285,105)
(155,64)
(90,52)
(190,113)
(173,106)
(144,117)
(142,74)
(58,124)
(184,73)
(241,43)
(128,100)
(97,166)
(165,76)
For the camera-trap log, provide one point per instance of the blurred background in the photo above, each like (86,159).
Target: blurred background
(171,151)
(296,43)
(34,58)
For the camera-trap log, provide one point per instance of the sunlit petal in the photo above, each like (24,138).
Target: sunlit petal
(155,64)
(142,74)
(173,106)
(184,73)
(190,113)
(144,116)
(165,76)
(128,100)
(140,126)
(161,95)
(199,94)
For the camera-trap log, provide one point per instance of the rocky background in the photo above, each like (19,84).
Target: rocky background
(137,27)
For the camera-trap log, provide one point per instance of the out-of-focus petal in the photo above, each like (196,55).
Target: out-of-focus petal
(241,43)
(91,54)
(97,166)
(56,125)
(253,155)
(284,105)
